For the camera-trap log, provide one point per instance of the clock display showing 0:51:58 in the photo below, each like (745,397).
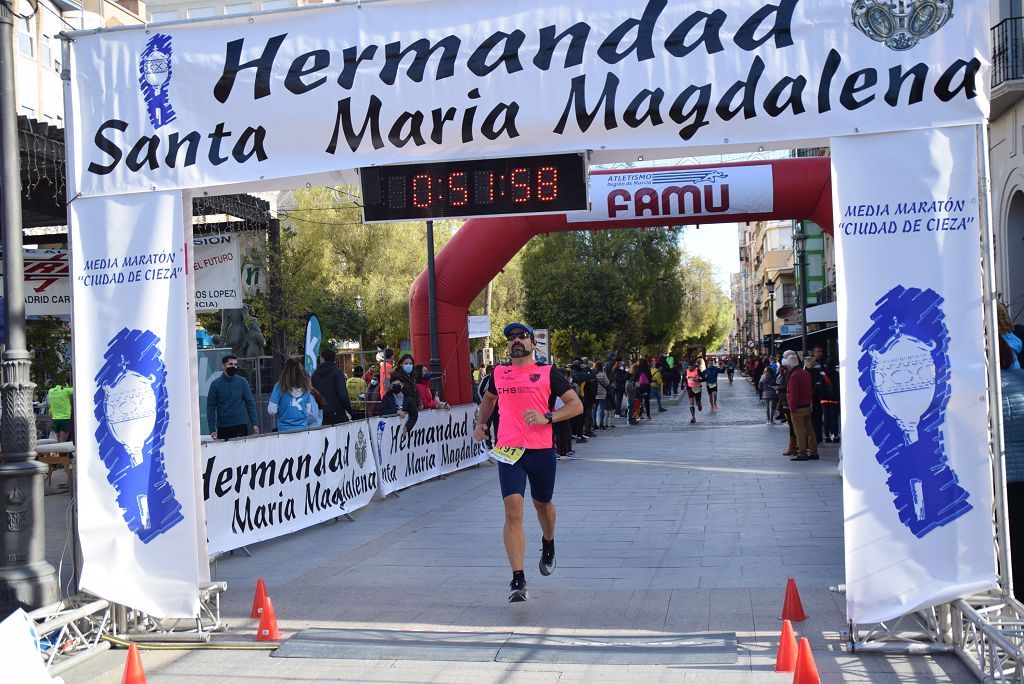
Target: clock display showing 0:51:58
(486,187)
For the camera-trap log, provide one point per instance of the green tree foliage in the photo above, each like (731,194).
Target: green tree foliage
(49,339)
(633,291)
(328,257)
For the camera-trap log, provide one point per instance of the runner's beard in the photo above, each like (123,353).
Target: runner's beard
(518,351)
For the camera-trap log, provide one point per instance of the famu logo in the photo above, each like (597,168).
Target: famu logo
(155,78)
(684,192)
(900,24)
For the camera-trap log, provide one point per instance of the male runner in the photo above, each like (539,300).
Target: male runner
(525,392)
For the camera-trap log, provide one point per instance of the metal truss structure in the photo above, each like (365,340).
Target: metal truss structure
(985,631)
(81,627)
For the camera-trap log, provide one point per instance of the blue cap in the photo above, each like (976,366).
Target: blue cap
(512,327)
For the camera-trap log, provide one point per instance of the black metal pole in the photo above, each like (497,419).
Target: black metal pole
(26,579)
(435,352)
(771,316)
(277,343)
(802,258)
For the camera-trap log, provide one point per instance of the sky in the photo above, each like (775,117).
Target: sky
(718,244)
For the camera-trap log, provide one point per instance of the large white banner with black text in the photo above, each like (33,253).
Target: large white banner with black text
(441,442)
(133,409)
(917,479)
(262,487)
(339,86)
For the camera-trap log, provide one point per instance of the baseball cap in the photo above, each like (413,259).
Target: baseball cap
(512,327)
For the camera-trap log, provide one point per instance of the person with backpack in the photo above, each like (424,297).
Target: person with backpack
(332,386)
(658,383)
(767,392)
(642,378)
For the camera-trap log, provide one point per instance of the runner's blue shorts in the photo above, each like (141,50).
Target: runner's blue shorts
(537,466)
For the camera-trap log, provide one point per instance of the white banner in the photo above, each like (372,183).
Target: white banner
(542,351)
(917,479)
(263,487)
(133,409)
(679,193)
(441,442)
(339,86)
(479,326)
(218,272)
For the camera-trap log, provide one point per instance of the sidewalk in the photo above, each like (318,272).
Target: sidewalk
(664,527)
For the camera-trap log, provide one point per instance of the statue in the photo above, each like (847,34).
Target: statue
(241,331)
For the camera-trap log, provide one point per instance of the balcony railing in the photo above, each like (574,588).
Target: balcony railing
(827,294)
(1008,50)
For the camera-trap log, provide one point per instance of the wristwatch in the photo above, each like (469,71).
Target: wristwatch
(550,418)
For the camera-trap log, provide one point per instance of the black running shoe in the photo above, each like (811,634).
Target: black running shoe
(547,557)
(517,591)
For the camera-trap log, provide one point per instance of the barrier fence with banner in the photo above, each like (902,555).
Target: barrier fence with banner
(263,487)
(441,442)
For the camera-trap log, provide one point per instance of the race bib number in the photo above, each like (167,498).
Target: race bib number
(507,454)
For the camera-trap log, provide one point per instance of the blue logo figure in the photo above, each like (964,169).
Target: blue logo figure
(381,427)
(154,79)
(131,407)
(904,372)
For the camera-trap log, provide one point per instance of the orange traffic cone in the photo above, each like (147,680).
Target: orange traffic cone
(806,671)
(792,609)
(259,599)
(785,661)
(133,672)
(268,630)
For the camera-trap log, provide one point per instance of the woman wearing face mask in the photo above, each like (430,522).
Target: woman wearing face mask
(291,400)
(405,373)
(397,403)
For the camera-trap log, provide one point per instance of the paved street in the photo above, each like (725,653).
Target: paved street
(665,527)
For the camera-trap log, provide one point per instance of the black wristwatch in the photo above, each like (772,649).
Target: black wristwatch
(550,418)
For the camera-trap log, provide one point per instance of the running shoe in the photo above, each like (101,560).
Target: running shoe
(692,419)
(547,557)
(517,591)
(571,456)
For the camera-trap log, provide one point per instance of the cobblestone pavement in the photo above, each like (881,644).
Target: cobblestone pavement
(664,527)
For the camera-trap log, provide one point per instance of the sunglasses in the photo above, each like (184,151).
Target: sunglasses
(518,336)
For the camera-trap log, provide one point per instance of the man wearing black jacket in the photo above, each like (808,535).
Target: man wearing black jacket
(329,381)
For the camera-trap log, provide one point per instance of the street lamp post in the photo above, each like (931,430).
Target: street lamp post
(26,579)
(359,308)
(771,315)
(760,335)
(801,241)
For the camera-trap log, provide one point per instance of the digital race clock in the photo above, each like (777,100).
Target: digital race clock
(548,184)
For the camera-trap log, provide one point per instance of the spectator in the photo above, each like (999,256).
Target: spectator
(60,409)
(397,403)
(356,387)
(657,384)
(330,382)
(767,392)
(830,402)
(799,395)
(404,373)
(386,359)
(602,404)
(642,378)
(817,370)
(620,376)
(1012,380)
(291,400)
(426,397)
(229,402)
(1007,334)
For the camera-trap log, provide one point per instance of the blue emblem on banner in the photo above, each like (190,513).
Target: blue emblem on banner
(381,427)
(131,407)
(904,372)
(155,78)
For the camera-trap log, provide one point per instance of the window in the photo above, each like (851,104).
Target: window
(157,17)
(201,13)
(26,37)
(243,8)
(49,52)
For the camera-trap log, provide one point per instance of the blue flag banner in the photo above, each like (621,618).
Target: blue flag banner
(313,338)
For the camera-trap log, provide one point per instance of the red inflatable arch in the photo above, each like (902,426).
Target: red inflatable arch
(482,247)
